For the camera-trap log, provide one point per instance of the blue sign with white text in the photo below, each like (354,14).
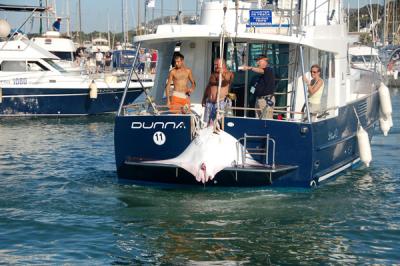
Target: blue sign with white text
(260,18)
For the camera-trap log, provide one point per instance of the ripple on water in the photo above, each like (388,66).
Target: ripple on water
(61,203)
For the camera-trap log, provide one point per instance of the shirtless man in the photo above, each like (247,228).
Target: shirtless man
(211,93)
(179,101)
(213,83)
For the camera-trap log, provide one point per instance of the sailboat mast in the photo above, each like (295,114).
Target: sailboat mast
(138,17)
(123,23)
(162,12)
(358,15)
(41,19)
(79,22)
(179,17)
(126,37)
(108,31)
(384,23)
(47,15)
(68,19)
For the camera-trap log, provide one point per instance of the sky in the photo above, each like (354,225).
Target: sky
(95,13)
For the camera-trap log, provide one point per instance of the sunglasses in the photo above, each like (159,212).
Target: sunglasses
(314,72)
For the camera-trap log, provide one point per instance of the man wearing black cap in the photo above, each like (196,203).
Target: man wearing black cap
(264,88)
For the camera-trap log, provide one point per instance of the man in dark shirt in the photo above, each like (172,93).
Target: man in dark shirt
(264,88)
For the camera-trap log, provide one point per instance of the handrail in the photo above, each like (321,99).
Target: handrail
(304,85)
(257,151)
(153,105)
(128,80)
(259,109)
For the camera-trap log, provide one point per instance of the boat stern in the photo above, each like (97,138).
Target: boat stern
(148,138)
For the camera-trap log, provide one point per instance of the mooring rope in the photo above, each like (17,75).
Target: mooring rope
(221,59)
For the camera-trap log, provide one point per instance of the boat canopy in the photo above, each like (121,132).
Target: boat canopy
(23,49)
(20,8)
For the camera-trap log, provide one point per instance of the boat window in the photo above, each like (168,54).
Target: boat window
(323,61)
(357,59)
(278,55)
(233,54)
(54,64)
(36,66)
(326,61)
(13,66)
(64,55)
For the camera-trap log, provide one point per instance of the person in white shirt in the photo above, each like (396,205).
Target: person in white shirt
(99,61)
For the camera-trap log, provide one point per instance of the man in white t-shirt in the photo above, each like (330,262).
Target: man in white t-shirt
(99,61)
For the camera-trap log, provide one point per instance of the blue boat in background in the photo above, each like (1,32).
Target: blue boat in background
(123,59)
(33,84)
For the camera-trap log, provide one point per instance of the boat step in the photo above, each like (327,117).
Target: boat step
(247,168)
(262,168)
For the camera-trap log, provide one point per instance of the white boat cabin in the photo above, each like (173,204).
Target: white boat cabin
(293,38)
(99,44)
(58,45)
(26,56)
(365,57)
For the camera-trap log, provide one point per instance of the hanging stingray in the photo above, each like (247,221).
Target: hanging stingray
(210,153)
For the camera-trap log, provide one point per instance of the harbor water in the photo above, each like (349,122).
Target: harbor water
(61,203)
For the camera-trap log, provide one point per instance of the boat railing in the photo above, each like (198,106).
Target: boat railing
(245,151)
(281,113)
(288,17)
(275,110)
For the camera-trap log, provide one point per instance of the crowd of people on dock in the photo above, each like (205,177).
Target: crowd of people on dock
(100,62)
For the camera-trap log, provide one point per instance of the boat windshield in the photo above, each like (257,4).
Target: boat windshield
(69,56)
(54,64)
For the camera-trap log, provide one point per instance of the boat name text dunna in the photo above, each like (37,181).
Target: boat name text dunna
(154,125)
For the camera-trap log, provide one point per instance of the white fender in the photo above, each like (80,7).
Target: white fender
(364,146)
(5,28)
(93,90)
(386,103)
(395,74)
(385,124)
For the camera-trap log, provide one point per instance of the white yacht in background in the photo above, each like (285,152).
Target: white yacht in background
(99,44)
(366,57)
(33,84)
(61,46)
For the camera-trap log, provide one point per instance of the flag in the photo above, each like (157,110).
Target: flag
(151,3)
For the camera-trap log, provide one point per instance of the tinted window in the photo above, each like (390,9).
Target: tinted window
(19,66)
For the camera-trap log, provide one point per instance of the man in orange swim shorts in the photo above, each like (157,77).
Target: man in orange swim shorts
(180,75)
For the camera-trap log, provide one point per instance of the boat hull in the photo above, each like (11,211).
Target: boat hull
(61,102)
(306,154)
